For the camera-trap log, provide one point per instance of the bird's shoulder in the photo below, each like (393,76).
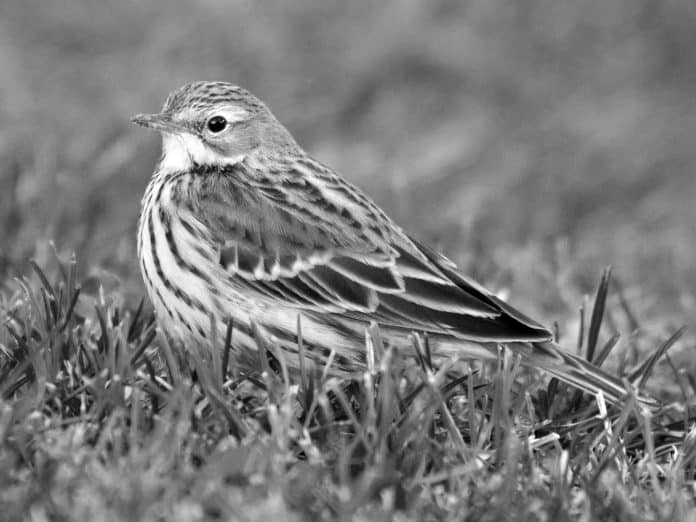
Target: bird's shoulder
(298,202)
(295,212)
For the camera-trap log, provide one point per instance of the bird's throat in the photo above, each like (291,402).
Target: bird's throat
(183,152)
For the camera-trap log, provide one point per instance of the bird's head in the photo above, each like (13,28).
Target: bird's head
(214,123)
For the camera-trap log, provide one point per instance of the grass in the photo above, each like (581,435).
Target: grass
(533,144)
(102,418)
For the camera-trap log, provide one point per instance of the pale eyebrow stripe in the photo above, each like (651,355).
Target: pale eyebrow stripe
(231,113)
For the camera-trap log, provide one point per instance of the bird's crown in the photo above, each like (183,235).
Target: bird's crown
(205,95)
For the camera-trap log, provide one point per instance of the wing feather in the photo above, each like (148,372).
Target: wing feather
(415,267)
(352,294)
(382,278)
(320,245)
(446,298)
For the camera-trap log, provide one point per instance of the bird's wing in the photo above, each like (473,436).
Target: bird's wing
(317,243)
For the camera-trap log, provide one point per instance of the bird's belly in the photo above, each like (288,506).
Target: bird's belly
(189,290)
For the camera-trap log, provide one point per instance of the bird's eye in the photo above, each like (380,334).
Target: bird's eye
(217,124)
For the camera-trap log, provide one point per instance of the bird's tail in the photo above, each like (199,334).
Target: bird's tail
(576,371)
(554,360)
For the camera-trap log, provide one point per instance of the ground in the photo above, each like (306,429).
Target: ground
(535,143)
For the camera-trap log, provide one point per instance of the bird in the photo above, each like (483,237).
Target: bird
(239,225)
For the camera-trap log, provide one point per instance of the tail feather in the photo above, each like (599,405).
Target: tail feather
(578,372)
(554,360)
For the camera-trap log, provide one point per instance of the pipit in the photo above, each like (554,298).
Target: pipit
(240,224)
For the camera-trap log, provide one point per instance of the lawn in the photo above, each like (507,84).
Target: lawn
(535,145)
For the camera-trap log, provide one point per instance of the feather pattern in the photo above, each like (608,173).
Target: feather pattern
(327,262)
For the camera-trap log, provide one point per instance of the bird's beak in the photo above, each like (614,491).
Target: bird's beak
(160,122)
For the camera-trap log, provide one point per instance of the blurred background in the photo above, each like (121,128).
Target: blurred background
(534,142)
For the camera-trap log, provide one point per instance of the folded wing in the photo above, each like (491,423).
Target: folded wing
(320,245)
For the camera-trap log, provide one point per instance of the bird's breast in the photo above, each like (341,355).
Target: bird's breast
(180,266)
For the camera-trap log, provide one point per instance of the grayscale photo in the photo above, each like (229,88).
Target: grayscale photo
(354,261)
